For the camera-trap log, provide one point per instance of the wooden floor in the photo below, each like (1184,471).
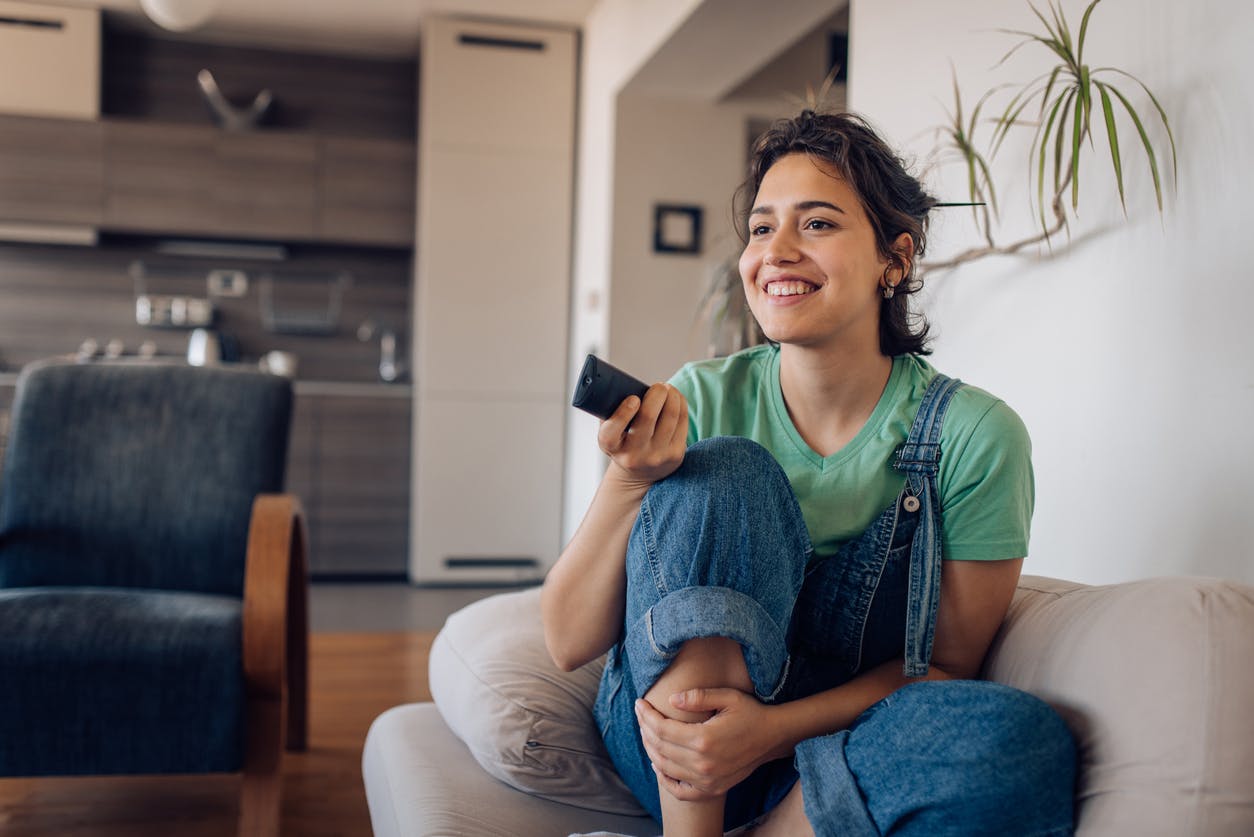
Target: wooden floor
(353,678)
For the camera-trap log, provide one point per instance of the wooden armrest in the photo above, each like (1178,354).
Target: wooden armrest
(276,611)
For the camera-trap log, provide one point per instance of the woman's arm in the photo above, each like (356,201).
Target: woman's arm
(584,594)
(705,759)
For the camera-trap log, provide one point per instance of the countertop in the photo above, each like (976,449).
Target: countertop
(342,389)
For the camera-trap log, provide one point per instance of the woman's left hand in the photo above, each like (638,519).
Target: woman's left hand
(700,760)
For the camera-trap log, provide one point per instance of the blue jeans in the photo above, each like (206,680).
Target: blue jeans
(720,549)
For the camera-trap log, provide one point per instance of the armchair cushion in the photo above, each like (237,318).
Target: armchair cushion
(109,680)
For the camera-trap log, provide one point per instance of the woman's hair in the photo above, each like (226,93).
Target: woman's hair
(894,201)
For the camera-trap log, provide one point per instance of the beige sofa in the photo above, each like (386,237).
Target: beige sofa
(1154,677)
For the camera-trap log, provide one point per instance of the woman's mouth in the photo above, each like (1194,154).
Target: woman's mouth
(789,287)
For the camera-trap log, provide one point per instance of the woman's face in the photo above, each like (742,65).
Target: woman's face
(811,270)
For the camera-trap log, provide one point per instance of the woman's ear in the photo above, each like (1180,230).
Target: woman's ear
(903,254)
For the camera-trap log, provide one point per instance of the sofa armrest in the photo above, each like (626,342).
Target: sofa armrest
(1153,677)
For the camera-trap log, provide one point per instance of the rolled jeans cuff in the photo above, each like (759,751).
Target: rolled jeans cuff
(654,640)
(833,803)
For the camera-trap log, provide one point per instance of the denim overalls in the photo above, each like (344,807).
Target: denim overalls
(720,548)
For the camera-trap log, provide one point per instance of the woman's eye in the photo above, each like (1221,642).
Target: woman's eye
(759,229)
(818,224)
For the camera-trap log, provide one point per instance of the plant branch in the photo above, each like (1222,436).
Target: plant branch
(991,249)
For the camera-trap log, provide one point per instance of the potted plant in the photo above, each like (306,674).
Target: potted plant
(1061,106)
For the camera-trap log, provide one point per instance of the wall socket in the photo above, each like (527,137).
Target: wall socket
(227,283)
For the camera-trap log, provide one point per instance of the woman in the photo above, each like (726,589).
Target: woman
(799,555)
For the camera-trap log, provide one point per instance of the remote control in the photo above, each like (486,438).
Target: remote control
(602,387)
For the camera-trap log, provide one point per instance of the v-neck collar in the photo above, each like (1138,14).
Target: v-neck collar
(869,429)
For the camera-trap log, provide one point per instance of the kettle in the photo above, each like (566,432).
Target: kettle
(204,348)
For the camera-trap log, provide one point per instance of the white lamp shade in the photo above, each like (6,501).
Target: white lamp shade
(178,15)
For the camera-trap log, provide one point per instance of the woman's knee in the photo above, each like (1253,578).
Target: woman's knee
(727,513)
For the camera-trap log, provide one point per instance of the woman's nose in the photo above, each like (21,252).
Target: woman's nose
(782,249)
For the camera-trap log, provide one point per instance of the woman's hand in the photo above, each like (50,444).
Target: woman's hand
(697,761)
(646,439)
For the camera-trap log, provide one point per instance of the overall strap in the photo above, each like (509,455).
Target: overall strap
(919,459)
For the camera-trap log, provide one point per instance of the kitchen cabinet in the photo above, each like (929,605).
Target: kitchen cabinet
(348,461)
(366,191)
(496,136)
(51,171)
(196,180)
(166,178)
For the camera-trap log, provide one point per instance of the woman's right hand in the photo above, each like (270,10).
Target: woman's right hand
(645,440)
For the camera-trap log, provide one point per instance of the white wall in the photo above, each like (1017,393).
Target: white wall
(695,50)
(1129,354)
(618,37)
(681,152)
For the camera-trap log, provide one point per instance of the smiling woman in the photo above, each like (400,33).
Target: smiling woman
(874,192)
(810,500)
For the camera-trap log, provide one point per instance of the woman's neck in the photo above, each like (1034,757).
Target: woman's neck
(831,395)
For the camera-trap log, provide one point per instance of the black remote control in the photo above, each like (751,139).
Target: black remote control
(602,387)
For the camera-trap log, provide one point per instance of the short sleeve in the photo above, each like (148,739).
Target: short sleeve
(986,482)
(685,381)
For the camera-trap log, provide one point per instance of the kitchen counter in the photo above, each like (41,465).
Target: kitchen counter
(343,389)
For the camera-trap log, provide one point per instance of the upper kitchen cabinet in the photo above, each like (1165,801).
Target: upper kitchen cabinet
(51,171)
(332,161)
(49,60)
(159,177)
(170,178)
(366,191)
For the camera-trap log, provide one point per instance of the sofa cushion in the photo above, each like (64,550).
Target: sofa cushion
(1154,679)
(525,721)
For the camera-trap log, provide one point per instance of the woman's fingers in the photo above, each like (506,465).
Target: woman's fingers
(613,432)
(641,434)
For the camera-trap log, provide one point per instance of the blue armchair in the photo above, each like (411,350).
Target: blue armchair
(153,588)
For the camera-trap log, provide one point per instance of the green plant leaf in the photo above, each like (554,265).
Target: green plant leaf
(1145,142)
(1112,134)
(1162,114)
(988,181)
(1084,25)
(1052,32)
(1077,138)
(1044,151)
(1052,44)
(1086,95)
(1064,34)
(1010,116)
(1060,138)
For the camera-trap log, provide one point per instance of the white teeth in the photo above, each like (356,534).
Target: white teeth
(788,288)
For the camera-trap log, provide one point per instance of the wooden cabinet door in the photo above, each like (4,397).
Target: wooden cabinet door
(366,191)
(348,460)
(166,178)
(50,171)
(264,185)
(160,178)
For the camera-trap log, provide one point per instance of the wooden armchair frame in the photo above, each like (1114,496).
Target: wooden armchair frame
(276,656)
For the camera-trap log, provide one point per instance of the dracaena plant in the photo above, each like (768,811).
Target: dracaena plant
(1059,105)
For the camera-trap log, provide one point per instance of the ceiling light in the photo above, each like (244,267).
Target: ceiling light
(179,15)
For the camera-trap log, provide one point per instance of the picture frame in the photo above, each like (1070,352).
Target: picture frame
(677,228)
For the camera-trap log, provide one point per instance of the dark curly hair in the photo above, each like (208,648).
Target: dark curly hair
(894,201)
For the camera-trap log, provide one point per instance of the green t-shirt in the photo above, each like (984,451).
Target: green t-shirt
(985,479)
